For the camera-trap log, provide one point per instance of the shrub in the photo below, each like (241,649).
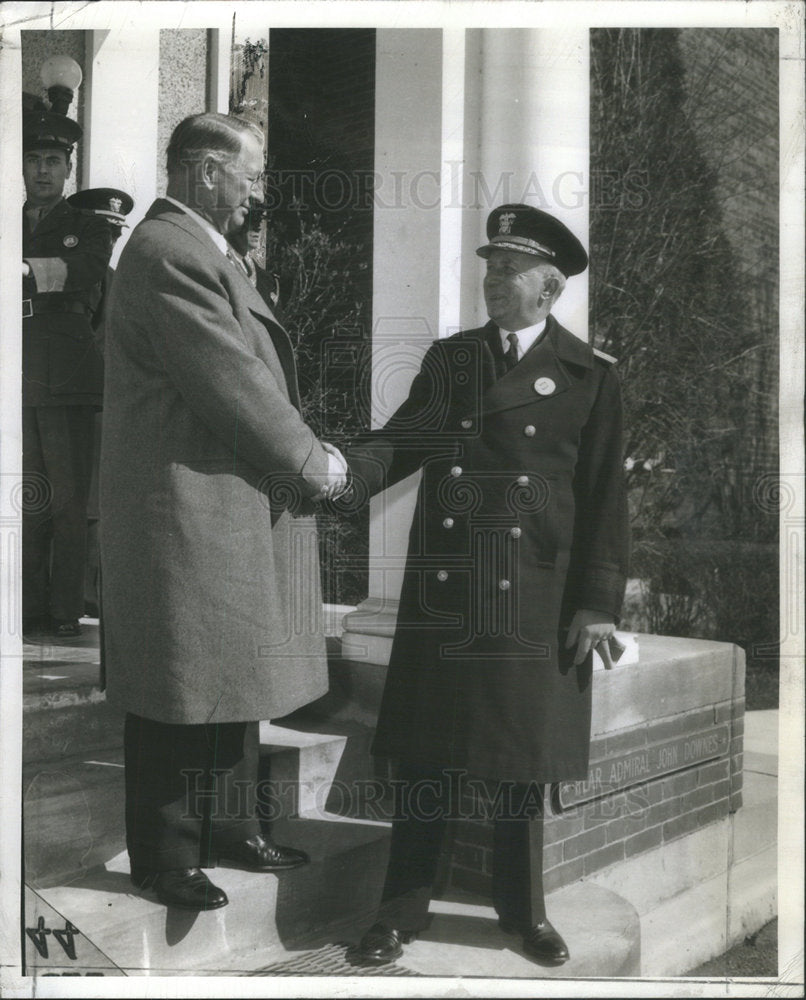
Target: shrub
(319,275)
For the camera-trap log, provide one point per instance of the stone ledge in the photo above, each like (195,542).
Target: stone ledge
(673,676)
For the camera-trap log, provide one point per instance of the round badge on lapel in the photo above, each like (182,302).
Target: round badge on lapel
(70,241)
(545,386)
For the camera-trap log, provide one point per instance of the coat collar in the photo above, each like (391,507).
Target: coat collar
(166,211)
(544,371)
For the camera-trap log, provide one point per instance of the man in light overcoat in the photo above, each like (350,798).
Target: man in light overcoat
(210,583)
(516,569)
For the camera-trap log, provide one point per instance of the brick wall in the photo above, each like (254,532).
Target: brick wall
(586,837)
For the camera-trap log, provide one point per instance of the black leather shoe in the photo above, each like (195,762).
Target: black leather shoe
(382,944)
(260,855)
(540,942)
(66,629)
(188,888)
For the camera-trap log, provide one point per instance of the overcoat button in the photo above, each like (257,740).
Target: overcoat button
(448,522)
(456,470)
(529,431)
(442,576)
(503,584)
(545,386)
(467,423)
(515,532)
(523,480)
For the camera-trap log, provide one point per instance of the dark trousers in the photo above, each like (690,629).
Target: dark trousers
(418,832)
(189,790)
(57,465)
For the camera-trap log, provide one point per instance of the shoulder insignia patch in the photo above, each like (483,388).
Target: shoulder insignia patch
(604,357)
(70,241)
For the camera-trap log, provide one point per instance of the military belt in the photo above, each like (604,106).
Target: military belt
(33,307)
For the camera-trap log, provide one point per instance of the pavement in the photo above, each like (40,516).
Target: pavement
(754,957)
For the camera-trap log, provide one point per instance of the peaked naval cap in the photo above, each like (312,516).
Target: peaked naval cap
(532,231)
(111,204)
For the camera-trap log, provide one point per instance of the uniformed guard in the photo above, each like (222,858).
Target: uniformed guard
(243,243)
(65,256)
(111,206)
(516,569)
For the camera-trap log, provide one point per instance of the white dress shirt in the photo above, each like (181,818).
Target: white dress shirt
(526,337)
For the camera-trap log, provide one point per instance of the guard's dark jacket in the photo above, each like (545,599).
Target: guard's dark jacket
(521,520)
(68,252)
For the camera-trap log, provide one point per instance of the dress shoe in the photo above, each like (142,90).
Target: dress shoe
(540,942)
(66,629)
(188,888)
(260,855)
(382,944)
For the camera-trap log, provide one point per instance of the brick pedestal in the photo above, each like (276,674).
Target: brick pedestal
(666,759)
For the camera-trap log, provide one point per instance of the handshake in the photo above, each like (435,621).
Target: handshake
(335,479)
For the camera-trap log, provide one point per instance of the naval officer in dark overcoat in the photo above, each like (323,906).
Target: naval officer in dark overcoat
(65,257)
(516,569)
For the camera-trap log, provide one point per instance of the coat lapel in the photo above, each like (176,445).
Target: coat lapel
(280,338)
(483,336)
(54,219)
(542,373)
(253,300)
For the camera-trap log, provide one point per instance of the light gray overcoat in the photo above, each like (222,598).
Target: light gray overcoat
(210,587)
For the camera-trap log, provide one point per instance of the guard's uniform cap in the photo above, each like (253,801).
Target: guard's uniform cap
(109,203)
(532,231)
(46,130)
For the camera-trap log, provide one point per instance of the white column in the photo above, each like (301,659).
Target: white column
(220,59)
(407,308)
(122,115)
(452,213)
(531,111)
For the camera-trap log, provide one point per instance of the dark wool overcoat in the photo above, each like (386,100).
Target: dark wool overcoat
(521,519)
(68,252)
(212,608)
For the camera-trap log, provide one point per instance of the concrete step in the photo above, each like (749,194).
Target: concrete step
(267,916)
(272,919)
(601,929)
(73,785)
(44,648)
(325,764)
(70,729)
(64,709)
(73,815)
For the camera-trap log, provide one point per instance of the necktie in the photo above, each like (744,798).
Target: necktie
(34,215)
(511,354)
(249,267)
(238,261)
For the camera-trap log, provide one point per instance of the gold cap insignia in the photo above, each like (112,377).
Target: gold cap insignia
(505,220)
